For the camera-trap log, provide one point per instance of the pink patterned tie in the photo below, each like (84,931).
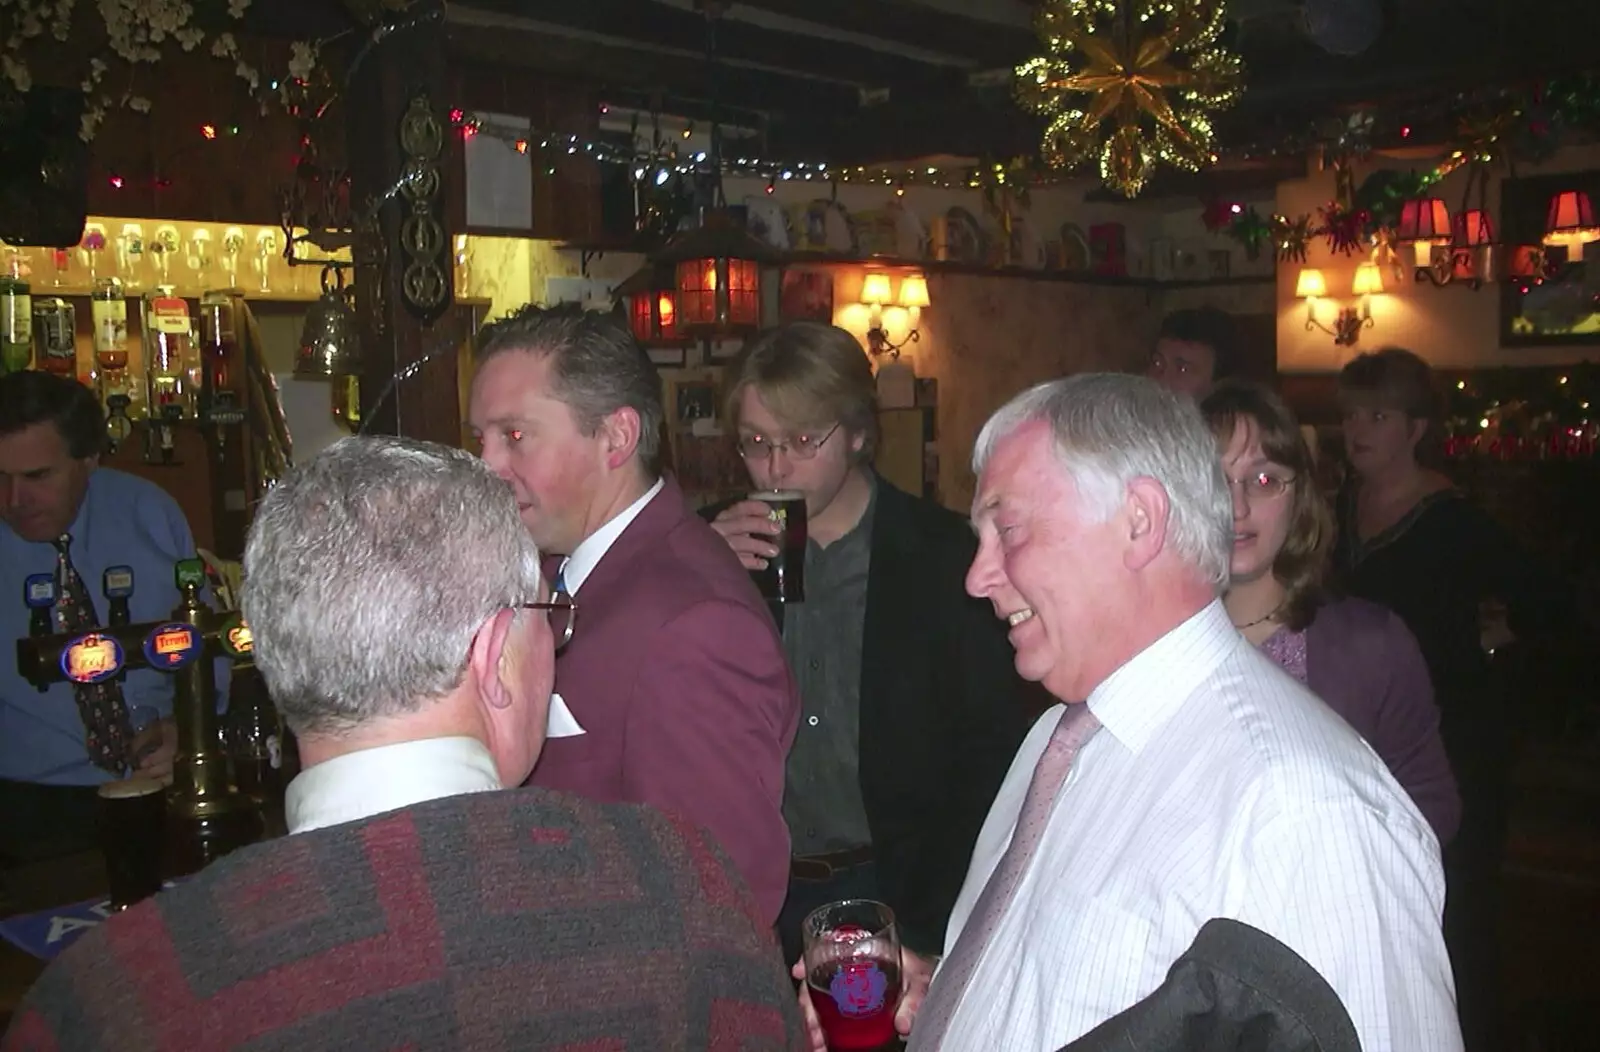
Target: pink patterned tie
(1077,725)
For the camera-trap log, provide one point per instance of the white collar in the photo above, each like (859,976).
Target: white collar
(587,555)
(1138,698)
(370,782)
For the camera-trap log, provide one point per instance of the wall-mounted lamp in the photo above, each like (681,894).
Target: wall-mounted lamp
(1571,222)
(1472,252)
(1347,325)
(1425,224)
(876,294)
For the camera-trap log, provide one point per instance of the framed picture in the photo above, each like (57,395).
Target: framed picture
(1221,262)
(806,295)
(695,401)
(1552,293)
(668,357)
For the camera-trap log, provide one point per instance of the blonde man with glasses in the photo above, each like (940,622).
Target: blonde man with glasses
(910,705)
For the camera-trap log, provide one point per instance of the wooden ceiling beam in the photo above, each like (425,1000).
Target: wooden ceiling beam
(986,43)
(742,93)
(740,45)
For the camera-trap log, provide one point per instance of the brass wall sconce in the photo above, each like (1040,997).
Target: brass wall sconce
(875,293)
(1348,323)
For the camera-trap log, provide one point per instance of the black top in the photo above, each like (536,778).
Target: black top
(942,708)
(1435,567)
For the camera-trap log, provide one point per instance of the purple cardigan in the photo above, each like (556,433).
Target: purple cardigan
(1363,661)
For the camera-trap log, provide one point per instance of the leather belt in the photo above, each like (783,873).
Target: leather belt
(827,866)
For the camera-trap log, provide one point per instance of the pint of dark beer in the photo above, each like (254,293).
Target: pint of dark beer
(133,835)
(784,579)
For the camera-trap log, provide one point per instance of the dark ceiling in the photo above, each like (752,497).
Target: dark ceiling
(866,81)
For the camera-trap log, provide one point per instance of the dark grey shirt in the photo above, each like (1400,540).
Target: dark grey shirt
(822,636)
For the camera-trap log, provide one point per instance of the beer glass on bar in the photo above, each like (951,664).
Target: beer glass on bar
(852,958)
(132,822)
(784,578)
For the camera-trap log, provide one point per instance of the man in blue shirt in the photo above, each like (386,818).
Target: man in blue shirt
(51,432)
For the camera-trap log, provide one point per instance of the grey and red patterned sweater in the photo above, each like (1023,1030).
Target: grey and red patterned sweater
(515,920)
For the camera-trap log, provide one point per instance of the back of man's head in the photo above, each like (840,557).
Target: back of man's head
(596,364)
(368,573)
(1110,429)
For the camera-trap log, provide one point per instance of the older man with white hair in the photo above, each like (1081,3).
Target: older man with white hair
(1185,778)
(402,627)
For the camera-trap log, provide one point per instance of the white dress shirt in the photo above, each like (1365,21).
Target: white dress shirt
(587,555)
(370,782)
(1219,787)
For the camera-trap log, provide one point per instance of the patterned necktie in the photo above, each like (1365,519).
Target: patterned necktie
(106,731)
(1077,725)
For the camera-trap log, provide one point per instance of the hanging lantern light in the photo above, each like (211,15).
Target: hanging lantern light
(717,271)
(1424,222)
(1571,221)
(652,297)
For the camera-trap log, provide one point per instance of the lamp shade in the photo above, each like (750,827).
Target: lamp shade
(717,271)
(652,297)
(1571,219)
(1425,219)
(1310,284)
(1473,228)
(1368,280)
(914,291)
(875,289)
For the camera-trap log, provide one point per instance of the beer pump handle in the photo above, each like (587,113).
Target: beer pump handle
(39,593)
(117,585)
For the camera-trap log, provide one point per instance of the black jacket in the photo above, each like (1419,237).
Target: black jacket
(942,709)
(1235,989)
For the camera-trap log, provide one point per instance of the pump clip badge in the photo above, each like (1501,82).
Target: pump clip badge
(237,641)
(91,659)
(171,646)
(39,591)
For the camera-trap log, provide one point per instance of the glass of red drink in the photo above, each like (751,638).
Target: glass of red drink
(852,955)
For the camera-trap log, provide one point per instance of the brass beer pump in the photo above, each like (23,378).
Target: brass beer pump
(206,815)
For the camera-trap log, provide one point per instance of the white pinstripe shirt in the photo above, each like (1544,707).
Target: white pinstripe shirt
(1219,787)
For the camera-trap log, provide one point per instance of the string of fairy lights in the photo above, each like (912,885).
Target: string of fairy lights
(670,158)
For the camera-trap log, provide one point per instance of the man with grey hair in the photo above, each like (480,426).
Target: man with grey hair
(676,693)
(1185,777)
(401,625)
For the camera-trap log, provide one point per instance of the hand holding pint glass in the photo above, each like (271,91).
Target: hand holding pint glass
(852,967)
(768,532)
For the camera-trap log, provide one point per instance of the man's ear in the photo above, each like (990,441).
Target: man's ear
(1145,510)
(487,656)
(621,430)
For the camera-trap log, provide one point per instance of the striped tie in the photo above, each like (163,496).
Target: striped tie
(1077,725)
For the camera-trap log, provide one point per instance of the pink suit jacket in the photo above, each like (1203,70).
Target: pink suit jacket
(677,675)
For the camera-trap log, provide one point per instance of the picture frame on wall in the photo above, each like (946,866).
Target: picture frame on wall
(668,357)
(695,402)
(806,295)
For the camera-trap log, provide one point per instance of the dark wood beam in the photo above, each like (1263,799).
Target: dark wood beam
(613,65)
(986,43)
(683,34)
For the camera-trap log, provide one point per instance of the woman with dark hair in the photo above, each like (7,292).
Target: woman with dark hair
(1409,539)
(1356,656)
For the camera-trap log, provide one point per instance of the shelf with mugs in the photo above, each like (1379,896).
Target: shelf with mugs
(972,269)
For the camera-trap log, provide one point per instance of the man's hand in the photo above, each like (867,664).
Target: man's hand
(916,974)
(152,750)
(746,526)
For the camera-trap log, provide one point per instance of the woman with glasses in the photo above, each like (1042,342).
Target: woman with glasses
(1355,655)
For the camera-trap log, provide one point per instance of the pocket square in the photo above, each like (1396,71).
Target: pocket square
(561,723)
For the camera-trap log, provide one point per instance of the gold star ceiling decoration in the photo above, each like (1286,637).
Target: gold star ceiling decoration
(1132,82)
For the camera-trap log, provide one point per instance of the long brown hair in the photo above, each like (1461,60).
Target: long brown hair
(1301,564)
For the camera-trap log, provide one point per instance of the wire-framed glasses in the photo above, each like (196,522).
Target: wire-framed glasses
(800,447)
(1262,485)
(562,612)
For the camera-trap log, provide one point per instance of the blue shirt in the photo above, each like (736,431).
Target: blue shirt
(123,521)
